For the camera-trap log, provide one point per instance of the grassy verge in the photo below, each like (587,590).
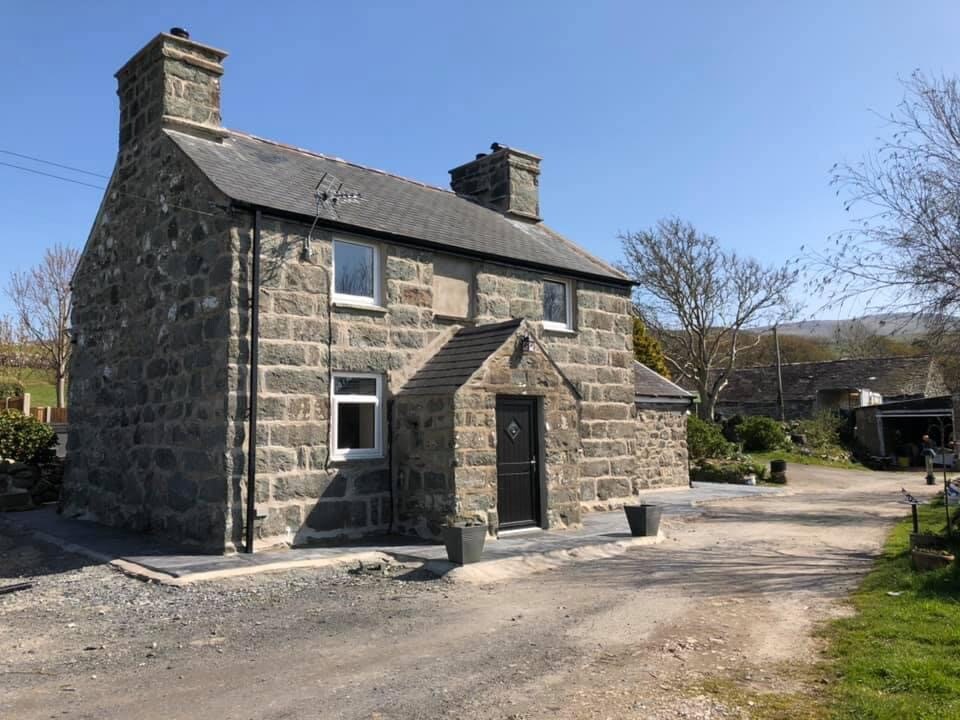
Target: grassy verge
(798,459)
(899,656)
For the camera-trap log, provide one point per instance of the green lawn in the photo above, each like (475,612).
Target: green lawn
(40,385)
(798,459)
(899,656)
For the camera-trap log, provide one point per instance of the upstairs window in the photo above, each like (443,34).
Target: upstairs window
(452,287)
(356,273)
(357,411)
(557,305)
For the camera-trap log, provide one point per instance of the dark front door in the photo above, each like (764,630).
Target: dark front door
(518,488)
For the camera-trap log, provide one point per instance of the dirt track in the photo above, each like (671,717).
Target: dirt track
(733,595)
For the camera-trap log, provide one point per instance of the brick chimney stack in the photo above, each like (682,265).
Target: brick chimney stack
(173,82)
(506,180)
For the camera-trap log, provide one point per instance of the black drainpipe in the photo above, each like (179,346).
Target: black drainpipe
(252,400)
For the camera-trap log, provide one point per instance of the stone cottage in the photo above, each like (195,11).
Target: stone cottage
(370,353)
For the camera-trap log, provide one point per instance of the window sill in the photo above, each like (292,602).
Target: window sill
(340,460)
(375,309)
(565,332)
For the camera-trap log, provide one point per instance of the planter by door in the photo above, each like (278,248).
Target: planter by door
(644,520)
(464,543)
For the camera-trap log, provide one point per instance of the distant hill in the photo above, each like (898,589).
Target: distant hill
(900,325)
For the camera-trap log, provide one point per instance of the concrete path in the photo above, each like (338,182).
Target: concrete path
(602,534)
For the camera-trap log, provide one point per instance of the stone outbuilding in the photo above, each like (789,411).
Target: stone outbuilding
(834,385)
(276,345)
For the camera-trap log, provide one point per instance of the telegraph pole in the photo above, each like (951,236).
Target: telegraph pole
(776,343)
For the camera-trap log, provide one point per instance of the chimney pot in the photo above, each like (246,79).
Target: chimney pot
(180,33)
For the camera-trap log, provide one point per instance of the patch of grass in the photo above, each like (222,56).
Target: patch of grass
(899,656)
(765,705)
(798,459)
(41,386)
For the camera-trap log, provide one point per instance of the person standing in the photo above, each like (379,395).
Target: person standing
(928,453)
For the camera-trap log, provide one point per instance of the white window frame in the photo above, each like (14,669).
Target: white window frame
(345,298)
(376,452)
(552,324)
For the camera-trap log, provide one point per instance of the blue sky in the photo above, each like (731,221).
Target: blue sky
(726,114)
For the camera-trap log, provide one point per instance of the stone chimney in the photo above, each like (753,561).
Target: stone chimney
(506,180)
(173,82)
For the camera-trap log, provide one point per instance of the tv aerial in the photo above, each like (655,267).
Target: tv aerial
(329,194)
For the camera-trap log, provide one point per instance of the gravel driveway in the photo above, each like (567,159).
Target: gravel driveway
(731,595)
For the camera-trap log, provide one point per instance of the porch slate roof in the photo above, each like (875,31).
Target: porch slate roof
(650,386)
(463,354)
(271,175)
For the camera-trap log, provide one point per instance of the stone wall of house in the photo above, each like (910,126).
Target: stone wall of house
(532,374)
(148,374)
(302,493)
(662,459)
(423,457)
(597,358)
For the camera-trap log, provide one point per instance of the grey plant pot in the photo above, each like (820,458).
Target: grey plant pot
(464,543)
(644,520)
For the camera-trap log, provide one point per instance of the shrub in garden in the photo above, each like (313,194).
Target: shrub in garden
(761,434)
(24,439)
(730,426)
(705,440)
(822,430)
(10,388)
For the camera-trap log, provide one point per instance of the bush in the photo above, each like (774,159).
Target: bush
(822,430)
(761,434)
(705,440)
(10,388)
(730,427)
(24,439)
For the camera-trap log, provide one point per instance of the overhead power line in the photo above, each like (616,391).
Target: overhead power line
(51,175)
(54,164)
(96,187)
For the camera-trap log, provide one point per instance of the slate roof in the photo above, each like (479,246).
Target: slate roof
(897,377)
(279,177)
(463,354)
(651,386)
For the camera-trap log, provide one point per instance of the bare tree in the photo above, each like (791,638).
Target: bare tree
(41,298)
(17,353)
(698,298)
(904,253)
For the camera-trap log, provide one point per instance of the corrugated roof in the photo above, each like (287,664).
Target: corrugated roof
(463,354)
(260,172)
(651,385)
